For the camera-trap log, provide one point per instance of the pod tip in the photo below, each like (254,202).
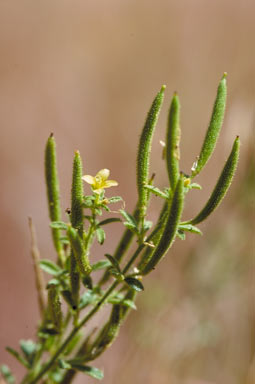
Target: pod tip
(163,88)
(52,134)
(224,75)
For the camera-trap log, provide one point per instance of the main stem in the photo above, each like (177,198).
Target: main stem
(72,334)
(85,319)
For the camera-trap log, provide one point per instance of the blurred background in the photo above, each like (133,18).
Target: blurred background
(88,71)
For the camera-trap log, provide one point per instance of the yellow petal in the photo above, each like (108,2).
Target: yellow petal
(104,174)
(89,179)
(110,183)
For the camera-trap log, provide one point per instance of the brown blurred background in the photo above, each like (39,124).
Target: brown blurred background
(88,71)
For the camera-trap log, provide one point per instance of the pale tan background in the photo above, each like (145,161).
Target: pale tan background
(88,71)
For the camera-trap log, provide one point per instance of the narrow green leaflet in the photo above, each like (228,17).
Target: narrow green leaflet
(58,225)
(100,233)
(114,199)
(134,283)
(129,218)
(91,371)
(17,356)
(89,297)
(109,221)
(181,234)
(50,267)
(101,264)
(156,191)
(7,374)
(126,303)
(113,261)
(63,364)
(189,228)
(29,349)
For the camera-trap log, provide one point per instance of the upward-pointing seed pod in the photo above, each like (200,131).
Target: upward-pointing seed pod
(54,307)
(52,185)
(144,149)
(222,185)
(172,142)
(79,251)
(214,128)
(77,194)
(170,229)
(76,221)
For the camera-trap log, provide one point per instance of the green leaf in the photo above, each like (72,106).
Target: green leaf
(100,235)
(114,199)
(17,356)
(102,264)
(50,267)
(134,283)
(181,234)
(147,225)
(7,374)
(87,282)
(88,201)
(129,218)
(131,227)
(88,298)
(194,186)
(108,221)
(63,364)
(64,240)
(58,225)
(91,371)
(29,349)
(105,207)
(53,282)
(190,228)
(156,191)
(113,261)
(126,303)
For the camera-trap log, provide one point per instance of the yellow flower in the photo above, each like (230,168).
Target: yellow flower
(100,182)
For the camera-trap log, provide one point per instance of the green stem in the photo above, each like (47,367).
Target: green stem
(73,333)
(85,319)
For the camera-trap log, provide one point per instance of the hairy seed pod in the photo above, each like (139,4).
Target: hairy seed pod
(52,185)
(144,149)
(74,281)
(54,307)
(214,128)
(79,251)
(77,194)
(171,226)
(172,142)
(222,185)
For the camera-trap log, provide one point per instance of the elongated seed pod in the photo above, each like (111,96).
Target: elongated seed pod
(76,221)
(154,237)
(74,281)
(52,184)
(222,185)
(77,194)
(79,251)
(111,329)
(171,226)
(172,142)
(54,306)
(143,156)
(214,128)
